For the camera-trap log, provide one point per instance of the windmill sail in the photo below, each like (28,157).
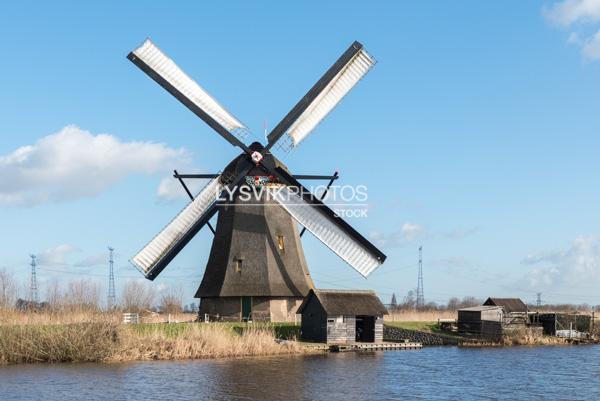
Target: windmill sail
(154,257)
(350,246)
(323,97)
(166,73)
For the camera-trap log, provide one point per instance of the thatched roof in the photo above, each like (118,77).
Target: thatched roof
(509,304)
(346,302)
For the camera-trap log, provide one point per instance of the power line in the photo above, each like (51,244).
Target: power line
(389,270)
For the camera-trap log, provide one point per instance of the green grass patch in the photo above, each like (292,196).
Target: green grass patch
(281,330)
(168,329)
(430,327)
(427,327)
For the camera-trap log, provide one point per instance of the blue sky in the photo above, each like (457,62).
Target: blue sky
(476,134)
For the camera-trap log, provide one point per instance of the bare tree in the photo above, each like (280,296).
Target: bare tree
(469,301)
(171,299)
(54,295)
(83,294)
(453,303)
(410,300)
(8,289)
(137,296)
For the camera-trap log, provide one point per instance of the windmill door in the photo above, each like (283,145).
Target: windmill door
(246,308)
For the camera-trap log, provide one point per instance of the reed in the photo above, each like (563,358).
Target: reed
(56,316)
(527,336)
(197,341)
(77,342)
(101,338)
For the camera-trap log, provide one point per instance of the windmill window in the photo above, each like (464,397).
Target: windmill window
(281,243)
(238,265)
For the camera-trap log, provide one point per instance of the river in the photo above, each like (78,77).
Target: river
(437,373)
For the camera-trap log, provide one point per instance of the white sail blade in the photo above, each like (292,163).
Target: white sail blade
(331,95)
(166,68)
(322,227)
(155,254)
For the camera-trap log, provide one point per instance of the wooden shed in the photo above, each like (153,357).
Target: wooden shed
(515,311)
(481,321)
(510,305)
(557,321)
(342,316)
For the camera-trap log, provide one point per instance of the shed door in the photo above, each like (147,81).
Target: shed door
(246,308)
(365,329)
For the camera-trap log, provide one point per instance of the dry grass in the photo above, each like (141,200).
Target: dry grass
(153,317)
(418,316)
(527,336)
(198,341)
(522,336)
(87,336)
(78,342)
(16,317)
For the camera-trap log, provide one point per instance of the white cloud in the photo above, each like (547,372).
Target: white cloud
(74,163)
(543,277)
(409,232)
(569,13)
(591,47)
(574,39)
(57,255)
(578,264)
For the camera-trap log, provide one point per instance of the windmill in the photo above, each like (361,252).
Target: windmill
(256,268)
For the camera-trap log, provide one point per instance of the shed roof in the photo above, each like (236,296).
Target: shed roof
(509,304)
(479,308)
(346,302)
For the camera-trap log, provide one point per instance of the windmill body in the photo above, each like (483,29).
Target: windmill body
(256,268)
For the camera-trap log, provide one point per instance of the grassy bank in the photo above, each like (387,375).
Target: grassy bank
(524,336)
(418,316)
(424,326)
(430,327)
(106,341)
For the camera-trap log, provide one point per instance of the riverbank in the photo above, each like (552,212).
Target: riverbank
(107,341)
(100,337)
(429,334)
(423,334)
